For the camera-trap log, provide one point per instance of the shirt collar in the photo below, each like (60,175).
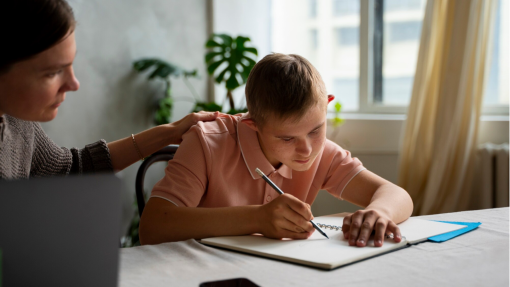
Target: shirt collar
(252,153)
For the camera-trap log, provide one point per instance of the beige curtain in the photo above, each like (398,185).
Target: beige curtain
(439,143)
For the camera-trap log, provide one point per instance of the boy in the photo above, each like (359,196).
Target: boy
(211,187)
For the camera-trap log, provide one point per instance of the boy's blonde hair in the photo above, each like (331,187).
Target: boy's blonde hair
(284,87)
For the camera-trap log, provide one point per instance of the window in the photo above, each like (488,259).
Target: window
(496,90)
(335,34)
(401,31)
(362,79)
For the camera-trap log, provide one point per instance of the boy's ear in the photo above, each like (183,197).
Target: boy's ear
(250,123)
(330,98)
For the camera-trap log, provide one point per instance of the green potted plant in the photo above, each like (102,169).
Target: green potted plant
(164,71)
(233,62)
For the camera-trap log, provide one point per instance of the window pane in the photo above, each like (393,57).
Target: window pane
(347,36)
(347,91)
(393,88)
(345,7)
(401,39)
(405,5)
(496,89)
(312,8)
(329,40)
(404,31)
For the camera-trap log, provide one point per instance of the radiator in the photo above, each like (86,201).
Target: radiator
(490,188)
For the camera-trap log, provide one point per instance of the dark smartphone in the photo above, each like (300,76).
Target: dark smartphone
(236,282)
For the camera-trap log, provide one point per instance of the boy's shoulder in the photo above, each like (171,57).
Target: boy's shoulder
(224,124)
(332,149)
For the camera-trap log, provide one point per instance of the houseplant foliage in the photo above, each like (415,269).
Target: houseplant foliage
(164,71)
(233,62)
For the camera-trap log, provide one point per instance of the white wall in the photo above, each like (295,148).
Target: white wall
(114,101)
(243,18)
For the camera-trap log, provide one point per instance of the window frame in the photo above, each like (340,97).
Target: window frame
(370,75)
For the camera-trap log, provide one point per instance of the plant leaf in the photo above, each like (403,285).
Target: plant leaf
(211,44)
(210,107)
(232,82)
(143,64)
(213,66)
(211,55)
(162,69)
(227,40)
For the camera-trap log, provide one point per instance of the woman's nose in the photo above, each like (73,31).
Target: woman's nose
(72,83)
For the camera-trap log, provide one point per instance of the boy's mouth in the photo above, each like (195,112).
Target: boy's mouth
(302,161)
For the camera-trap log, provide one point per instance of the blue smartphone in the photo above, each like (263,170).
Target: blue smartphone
(236,282)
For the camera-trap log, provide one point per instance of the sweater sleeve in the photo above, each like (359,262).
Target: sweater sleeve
(49,159)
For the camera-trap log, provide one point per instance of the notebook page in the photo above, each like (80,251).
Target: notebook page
(315,251)
(328,254)
(413,229)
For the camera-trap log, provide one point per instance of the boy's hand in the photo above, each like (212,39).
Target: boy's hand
(286,217)
(358,227)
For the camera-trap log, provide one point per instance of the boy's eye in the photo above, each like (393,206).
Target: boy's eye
(53,74)
(286,139)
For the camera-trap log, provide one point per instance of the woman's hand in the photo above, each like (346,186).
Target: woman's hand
(182,126)
(358,227)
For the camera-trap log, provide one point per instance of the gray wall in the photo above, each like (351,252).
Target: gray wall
(114,101)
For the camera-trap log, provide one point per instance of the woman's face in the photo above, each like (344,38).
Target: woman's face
(33,89)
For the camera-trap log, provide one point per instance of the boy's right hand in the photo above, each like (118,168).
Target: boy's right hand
(286,217)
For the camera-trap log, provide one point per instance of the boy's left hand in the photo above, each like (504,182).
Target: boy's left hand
(358,227)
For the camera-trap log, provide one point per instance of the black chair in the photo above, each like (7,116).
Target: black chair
(164,154)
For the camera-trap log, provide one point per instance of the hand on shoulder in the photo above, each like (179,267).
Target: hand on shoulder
(182,126)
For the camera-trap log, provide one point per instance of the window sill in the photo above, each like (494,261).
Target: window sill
(402,117)
(382,133)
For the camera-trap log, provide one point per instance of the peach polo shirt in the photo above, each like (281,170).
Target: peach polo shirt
(215,167)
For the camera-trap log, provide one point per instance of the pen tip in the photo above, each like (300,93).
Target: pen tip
(259,171)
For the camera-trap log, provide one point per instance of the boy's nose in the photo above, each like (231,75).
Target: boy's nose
(304,148)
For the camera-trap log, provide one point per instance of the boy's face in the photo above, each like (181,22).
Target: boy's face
(294,143)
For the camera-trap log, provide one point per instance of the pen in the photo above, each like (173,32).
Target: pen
(281,192)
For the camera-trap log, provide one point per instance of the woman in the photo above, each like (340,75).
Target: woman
(35,74)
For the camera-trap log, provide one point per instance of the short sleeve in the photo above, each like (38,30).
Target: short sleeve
(342,168)
(185,180)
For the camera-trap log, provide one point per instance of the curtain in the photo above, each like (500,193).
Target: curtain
(439,143)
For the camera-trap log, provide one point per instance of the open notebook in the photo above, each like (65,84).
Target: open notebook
(317,251)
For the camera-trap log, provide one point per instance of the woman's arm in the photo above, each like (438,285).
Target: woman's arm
(123,152)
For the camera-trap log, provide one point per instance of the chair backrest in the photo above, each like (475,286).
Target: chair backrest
(164,154)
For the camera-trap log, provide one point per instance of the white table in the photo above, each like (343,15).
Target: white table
(478,258)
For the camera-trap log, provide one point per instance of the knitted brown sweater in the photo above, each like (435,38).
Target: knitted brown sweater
(26,151)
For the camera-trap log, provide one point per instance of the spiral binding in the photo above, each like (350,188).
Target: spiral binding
(327,226)
(339,227)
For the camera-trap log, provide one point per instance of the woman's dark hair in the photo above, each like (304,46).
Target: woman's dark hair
(28,27)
